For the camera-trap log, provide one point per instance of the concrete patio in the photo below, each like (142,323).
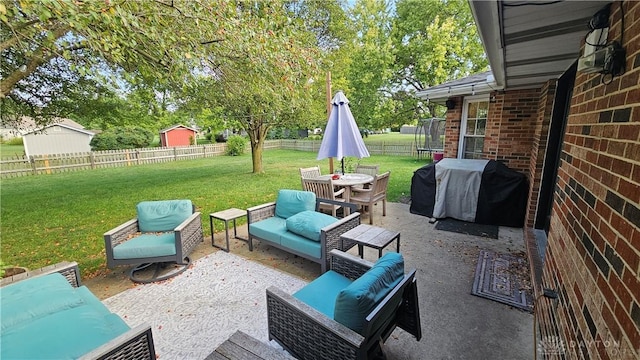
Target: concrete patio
(455,324)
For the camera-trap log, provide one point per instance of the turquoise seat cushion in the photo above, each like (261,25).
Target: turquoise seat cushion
(300,244)
(146,246)
(161,216)
(308,223)
(31,299)
(66,334)
(291,202)
(321,293)
(270,229)
(357,300)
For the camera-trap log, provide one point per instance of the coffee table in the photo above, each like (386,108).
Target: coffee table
(226,216)
(371,236)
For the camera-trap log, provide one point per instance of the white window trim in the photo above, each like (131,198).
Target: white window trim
(463,120)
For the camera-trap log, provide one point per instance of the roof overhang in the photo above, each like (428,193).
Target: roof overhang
(472,85)
(530,42)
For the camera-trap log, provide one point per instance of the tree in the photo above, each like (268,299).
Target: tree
(48,43)
(272,81)
(435,41)
(372,56)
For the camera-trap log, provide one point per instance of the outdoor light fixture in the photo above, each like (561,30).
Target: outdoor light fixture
(451,104)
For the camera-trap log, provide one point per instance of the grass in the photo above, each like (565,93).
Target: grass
(50,218)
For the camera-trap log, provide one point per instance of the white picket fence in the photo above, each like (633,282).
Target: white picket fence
(50,164)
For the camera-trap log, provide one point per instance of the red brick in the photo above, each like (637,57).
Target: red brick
(632,282)
(627,325)
(626,252)
(610,321)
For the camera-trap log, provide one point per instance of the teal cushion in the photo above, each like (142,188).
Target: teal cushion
(357,300)
(321,293)
(300,244)
(160,216)
(67,334)
(309,223)
(291,202)
(146,246)
(31,299)
(270,229)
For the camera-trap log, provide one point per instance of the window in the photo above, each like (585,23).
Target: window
(472,128)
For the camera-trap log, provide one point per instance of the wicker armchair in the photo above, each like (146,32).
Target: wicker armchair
(136,343)
(307,333)
(184,227)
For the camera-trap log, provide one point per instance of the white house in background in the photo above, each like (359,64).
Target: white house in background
(62,137)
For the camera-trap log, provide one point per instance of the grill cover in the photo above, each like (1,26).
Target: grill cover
(502,196)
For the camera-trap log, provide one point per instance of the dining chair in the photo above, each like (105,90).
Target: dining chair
(369,170)
(367,198)
(324,189)
(309,173)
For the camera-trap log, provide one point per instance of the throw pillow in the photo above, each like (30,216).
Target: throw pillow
(309,223)
(291,202)
(357,300)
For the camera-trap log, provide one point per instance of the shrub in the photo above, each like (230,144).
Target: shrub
(122,138)
(13,141)
(236,145)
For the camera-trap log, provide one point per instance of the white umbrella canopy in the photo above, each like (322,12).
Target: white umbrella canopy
(341,136)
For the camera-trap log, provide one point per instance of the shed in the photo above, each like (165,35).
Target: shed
(178,135)
(65,136)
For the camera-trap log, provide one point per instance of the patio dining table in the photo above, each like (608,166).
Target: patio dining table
(348,180)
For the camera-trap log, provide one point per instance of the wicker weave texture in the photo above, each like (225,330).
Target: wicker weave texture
(349,266)
(68,269)
(191,234)
(308,335)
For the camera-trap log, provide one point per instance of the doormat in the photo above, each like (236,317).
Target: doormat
(503,278)
(469,228)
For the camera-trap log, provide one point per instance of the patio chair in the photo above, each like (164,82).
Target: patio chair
(369,170)
(367,198)
(163,233)
(309,173)
(332,318)
(324,189)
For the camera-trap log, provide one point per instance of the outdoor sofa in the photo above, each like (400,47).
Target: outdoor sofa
(347,312)
(294,224)
(47,314)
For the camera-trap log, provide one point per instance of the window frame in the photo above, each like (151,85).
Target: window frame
(463,121)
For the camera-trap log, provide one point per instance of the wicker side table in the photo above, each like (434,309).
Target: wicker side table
(226,216)
(371,236)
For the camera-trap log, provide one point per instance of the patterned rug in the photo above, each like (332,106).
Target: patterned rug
(503,278)
(193,313)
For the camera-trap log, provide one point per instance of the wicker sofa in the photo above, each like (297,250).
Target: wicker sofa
(294,224)
(46,313)
(348,312)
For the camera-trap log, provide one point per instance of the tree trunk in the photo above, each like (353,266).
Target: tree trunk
(256,137)
(256,156)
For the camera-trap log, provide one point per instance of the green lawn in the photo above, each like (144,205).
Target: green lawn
(50,218)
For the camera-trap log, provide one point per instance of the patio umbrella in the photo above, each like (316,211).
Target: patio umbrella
(341,136)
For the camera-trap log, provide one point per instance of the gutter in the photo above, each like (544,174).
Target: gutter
(441,93)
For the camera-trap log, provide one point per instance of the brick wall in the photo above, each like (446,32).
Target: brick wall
(540,136)
(593,252)
(510,128)
(515,114)
(452,129)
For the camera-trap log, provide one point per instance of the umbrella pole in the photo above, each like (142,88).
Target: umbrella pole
(329,113)
(342,166)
